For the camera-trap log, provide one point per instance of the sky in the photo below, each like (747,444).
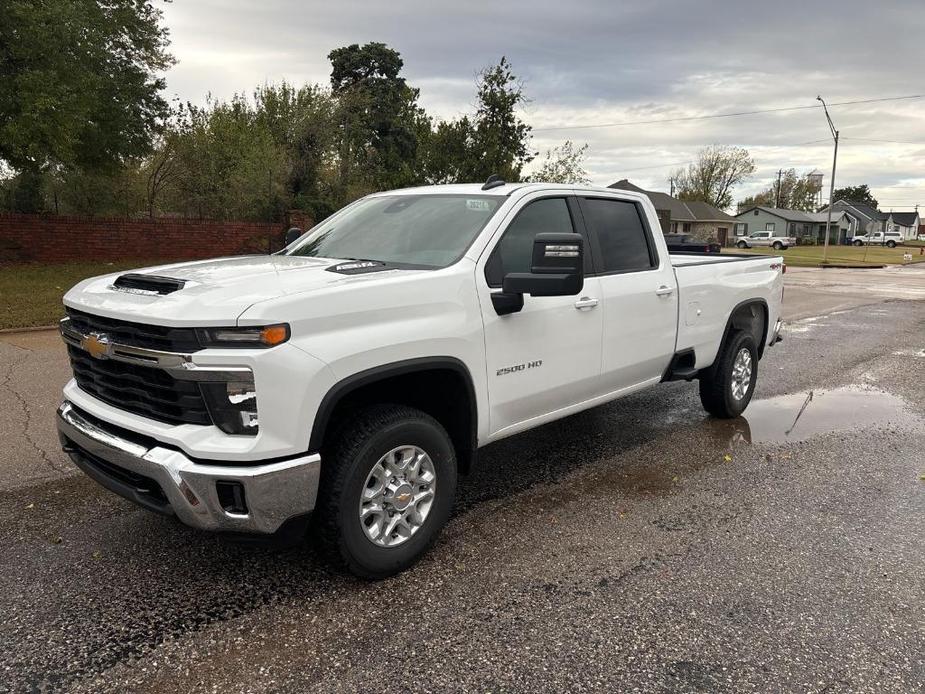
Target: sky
(591,62)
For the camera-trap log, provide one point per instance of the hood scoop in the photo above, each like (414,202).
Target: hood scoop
(154,285)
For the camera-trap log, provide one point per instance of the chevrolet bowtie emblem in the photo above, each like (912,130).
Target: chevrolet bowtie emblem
(97,345)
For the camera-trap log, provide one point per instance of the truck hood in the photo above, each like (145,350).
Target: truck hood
(214,292)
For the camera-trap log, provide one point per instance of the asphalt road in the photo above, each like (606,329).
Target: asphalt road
(637,547)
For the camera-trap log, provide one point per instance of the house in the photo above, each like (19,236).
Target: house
(906,223)
(698,219)
(869,219)
(802,225)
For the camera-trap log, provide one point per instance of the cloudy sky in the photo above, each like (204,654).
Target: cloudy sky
(591,62)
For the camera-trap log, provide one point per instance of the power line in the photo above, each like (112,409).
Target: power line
(725,115)
(894,142)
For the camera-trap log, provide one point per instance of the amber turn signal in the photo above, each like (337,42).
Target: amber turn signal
(274,334)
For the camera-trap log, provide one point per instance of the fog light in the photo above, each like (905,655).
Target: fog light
(233,406)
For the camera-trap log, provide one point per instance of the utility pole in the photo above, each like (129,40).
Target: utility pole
(671,181)
(828,223)
(779,172)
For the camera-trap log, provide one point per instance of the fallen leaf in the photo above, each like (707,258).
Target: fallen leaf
(31,506)
(727,458)
(58,540)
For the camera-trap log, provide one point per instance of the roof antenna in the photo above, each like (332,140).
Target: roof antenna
(493,182)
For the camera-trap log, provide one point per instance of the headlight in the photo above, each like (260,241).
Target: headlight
(256,337)
(233,405)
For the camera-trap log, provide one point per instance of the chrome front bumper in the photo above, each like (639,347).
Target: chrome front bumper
(167,481)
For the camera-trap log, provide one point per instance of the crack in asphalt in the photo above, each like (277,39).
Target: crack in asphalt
(6,384)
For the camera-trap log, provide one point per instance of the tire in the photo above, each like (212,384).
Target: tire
(718,387)
(348,465)
(777,245)
(858,243)
(891,244)
(742,244)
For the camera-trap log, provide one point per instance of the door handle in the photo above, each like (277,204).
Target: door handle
(586,302)
(664,290)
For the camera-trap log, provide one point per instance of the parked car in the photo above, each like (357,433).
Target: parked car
(766,238)
(683,243)
(353,375)
(890,239)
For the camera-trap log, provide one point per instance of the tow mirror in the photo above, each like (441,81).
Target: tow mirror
(292,235)
(557,270)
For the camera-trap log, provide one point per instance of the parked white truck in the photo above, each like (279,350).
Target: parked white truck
(346,380)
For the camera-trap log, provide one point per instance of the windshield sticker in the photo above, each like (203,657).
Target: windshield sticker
(478,205)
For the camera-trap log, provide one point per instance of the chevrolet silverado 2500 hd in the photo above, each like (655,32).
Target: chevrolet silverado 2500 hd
(349,378)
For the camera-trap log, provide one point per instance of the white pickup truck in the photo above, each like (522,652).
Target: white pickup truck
(767,239)
(344,382)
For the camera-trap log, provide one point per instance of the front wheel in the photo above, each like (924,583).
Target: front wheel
(388,483)
(891,244)
(742,244)
(777,245)
(726,387)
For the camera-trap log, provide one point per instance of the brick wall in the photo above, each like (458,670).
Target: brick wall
(51,239)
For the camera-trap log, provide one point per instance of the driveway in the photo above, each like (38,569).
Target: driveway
(639,546)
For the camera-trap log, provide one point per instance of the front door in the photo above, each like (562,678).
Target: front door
(638,290)
(547,356)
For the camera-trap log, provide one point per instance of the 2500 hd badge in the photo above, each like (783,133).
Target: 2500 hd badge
(520,367)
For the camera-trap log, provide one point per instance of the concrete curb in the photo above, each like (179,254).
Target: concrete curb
(31,329)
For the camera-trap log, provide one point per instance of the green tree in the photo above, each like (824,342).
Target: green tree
(563,164)
(795,193)
(378,118)
(501,138)
(860,194)
(79,82)
(711,179)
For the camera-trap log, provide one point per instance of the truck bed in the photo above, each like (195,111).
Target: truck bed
(710,287)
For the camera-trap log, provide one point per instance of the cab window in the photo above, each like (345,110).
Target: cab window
(514,252)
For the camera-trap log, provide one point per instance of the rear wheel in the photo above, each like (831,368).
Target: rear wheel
(777,245)
(742,244)
(858,243)
(387,487)
(891,244)
(726,387)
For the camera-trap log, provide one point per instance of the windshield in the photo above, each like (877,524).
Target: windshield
(429,231)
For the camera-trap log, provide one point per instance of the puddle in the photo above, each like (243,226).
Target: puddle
(798,416)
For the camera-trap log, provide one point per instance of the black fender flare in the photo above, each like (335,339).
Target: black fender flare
(378,373)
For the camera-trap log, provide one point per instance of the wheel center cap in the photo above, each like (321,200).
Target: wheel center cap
(400,496)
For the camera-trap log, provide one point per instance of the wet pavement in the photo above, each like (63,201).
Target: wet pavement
(640,546)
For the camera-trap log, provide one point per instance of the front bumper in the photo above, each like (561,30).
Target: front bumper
(167,481)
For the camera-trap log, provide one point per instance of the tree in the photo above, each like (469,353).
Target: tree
(860,194)
(501,138)
(79,82)
(795,193)
(718,169)
(563,164)
(378,118)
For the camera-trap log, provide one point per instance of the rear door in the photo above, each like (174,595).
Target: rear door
(547,356)
(638,292)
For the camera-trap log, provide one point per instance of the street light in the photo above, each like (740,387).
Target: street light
(828,223)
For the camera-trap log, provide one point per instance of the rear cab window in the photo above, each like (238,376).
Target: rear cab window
(623,240)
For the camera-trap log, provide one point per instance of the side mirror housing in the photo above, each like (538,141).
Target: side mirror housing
(557,269)
(292,234)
